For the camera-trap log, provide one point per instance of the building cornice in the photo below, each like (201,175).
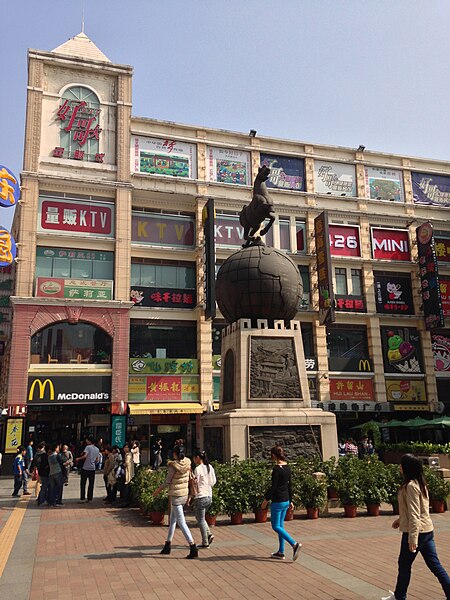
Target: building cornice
(84,303)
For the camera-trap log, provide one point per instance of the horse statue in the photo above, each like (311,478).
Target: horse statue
(260,208)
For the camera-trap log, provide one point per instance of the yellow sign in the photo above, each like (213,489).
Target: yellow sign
(405,390)
(42,385)
(364,365)
(13,435)
(414,407)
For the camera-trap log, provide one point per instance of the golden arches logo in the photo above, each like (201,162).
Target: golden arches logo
(42,387)
(364,365)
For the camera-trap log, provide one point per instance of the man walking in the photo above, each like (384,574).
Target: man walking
(19,470)
(90,457)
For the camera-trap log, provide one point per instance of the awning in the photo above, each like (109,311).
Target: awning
(161,408)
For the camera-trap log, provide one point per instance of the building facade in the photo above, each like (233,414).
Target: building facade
(109,297)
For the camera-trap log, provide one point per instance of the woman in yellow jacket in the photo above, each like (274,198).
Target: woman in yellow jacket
(417,529)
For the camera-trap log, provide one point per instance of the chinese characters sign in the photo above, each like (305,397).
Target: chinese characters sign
(429,279)
(442,249)
(162,297)
(228,166)
(118,430)
(164,366)
(163,388)
(324,272)
(390,244)
(80,123)
(431,189)
(350,303)
(13,439)
(8,249)
(285,173)
(334,178)
(384,184)
(163,157)
(393,294)
(88,289)
(352,389)
(444,286)
(441,352)
(402,352)
(406,390)
(72,253)
(344,240)
(9,188)
(163,230)
(67,217)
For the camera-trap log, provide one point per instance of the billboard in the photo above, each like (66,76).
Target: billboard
(390,244)
(228,231)
(13,439)
(405,390)
(164,366)
(402,352)
(393,294)
(163,297)
(441,352)
(337,179)
(88,289)
(157,229)
(384,184)
(429,277)
(228,166)
(431,189)
(324,270)
(162,156)
(70,217)
(286,173)
(344,240)
(444,286)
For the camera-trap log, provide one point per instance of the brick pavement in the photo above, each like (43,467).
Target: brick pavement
(82,552)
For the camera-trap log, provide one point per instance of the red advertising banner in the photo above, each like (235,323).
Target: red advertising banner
(444,285)
(442,249)
(352,389)
(163,387)
(76,217)
(344,240)
(390,244)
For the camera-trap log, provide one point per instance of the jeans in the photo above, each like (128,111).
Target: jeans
(427,548)
(18,480)
(278,511)
(177,518)
(43,492)
(85,476)
(201,505)
(55,488)
(25,481)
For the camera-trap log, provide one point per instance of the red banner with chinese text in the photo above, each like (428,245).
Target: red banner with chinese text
(352,389)
(163,387)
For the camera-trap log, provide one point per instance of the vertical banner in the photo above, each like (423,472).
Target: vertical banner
(324,270)
(118,430)
(209,214)
(429,278)
(14,428)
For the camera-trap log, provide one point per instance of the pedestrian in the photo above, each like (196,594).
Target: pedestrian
(19,470)
(416,527)
(280,495)
(28,464)
(67,458)
(136,453)
(351,449)
(128,466)
(157,454)
(109,476)
(178,483)
(90,458)
(43,468)
(204,480)
(56,477)
(101,449)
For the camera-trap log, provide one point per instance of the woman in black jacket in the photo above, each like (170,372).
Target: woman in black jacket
(280,494)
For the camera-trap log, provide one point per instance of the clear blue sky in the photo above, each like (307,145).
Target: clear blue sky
(341,72)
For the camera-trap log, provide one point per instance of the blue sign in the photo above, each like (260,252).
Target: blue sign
(9,187)
(8,249)
(118,430)
(286,173)
(431,189)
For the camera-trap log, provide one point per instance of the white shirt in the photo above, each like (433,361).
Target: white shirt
(205,480)
(91,457)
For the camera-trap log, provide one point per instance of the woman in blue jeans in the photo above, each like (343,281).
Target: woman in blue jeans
(280,493)
(205,479)
(417,529)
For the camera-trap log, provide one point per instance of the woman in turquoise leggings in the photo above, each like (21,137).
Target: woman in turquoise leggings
(280,493)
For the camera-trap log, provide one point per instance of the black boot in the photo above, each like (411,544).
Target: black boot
(166,549)
(193,552)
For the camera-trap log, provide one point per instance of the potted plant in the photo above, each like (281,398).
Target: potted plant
(349,485)
(311,494)
(394,480)
(257,476)
(234,491)
(216,507)
(373,482)
(438,490)
(158,507)
(329,468)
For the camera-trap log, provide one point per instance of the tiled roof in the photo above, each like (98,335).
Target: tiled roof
(82,47)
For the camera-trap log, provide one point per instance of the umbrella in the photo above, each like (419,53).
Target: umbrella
(438,422)
(368,423)
(393,423)
(416,422)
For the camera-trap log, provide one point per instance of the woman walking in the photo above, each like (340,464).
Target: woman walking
(56,477)
(67,458)
(417,529)
(128,466)
(178,483)
(205,479)
(280,493)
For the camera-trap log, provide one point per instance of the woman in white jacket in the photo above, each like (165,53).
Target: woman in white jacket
(205,479)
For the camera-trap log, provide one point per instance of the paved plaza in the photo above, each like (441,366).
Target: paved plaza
(84,552)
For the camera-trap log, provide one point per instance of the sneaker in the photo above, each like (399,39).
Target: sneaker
(26,494)
(390,597)
(296,551)
(82,501)
(278,555)
(204,546)
(210,539)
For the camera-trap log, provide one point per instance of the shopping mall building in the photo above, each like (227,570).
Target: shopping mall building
(109,306)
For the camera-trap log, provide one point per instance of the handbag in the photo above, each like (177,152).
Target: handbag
(193,485)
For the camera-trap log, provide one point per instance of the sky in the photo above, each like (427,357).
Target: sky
(339,72)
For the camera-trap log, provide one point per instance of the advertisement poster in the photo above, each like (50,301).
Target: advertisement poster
(163,297)
(384,184)
(164,366)
(344,240)
(406,390)
(352,389)
(431,189)
(441,352)
(286,173)
(390,244)
(324,270)
(161,388)
(228,166)
(429,278)
(402,352)
(444,286)
(75,216)
(163,230)
(161,156)
(14,428)
(337,179)
(393,294)
(442,249)
(90,289)
(229,232)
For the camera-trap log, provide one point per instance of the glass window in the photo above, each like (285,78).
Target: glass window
(308,339)
(285,235)
(81,269)
(135,274)
(356,282)
(300,234)
(306,298)
(102,269)
(88,112)
(71,263)
(148,275)
(166,276)
(341,281)
(61,267)
(44,267)
(347,345)
(163,276)
(163,340)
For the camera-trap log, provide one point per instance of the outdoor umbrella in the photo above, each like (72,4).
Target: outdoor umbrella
(438,422)
(416,422)
(361,425)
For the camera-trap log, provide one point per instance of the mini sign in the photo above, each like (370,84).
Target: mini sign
(344,240)
(163,297)
(118,430)
(393,294)
(432,304)
(14,429)
(9,188)
(390,244)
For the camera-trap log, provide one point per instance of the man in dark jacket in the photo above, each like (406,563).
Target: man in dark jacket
(43,469)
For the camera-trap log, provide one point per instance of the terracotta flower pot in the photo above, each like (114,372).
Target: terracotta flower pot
(350,510)
(332,493)
(373,510)
(261,515)
(312,513)
(289,514)
(211,520)
(237,518)
(157,517)
(438,506)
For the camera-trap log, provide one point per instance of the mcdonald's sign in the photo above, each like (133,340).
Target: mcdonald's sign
(42,385)
(364,365)
(69,389)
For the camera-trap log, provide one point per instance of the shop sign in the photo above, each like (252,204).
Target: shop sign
(162,156)
(384,184)
(286,173)
(9,188)
(390,244)
(405,390)
(324,270)
(70,216)
(429,277)
(88,289)
(8,248)
(352,389)
(440,345)
(163,230)
(72,253)
(82,125)
(163,297)
(336,179)
(442,249)
(444,286)
(166,366)
(118,430)
(393,294)
(349,364)
(163,388)
(310,363)
(73,389)
(402,352)
(414,407)
(14,429)
(431,189)
(344,240)
(346,407)
(350,303)
(228,166)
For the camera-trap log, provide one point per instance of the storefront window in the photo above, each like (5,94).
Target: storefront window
(177,276)
(300,234)
(285,235)
(69,263)
(305,301)
(347,347)
(356,282)
(79,343)
(164,339)
(341,281)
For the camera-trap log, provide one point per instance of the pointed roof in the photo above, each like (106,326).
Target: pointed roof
(81,46)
